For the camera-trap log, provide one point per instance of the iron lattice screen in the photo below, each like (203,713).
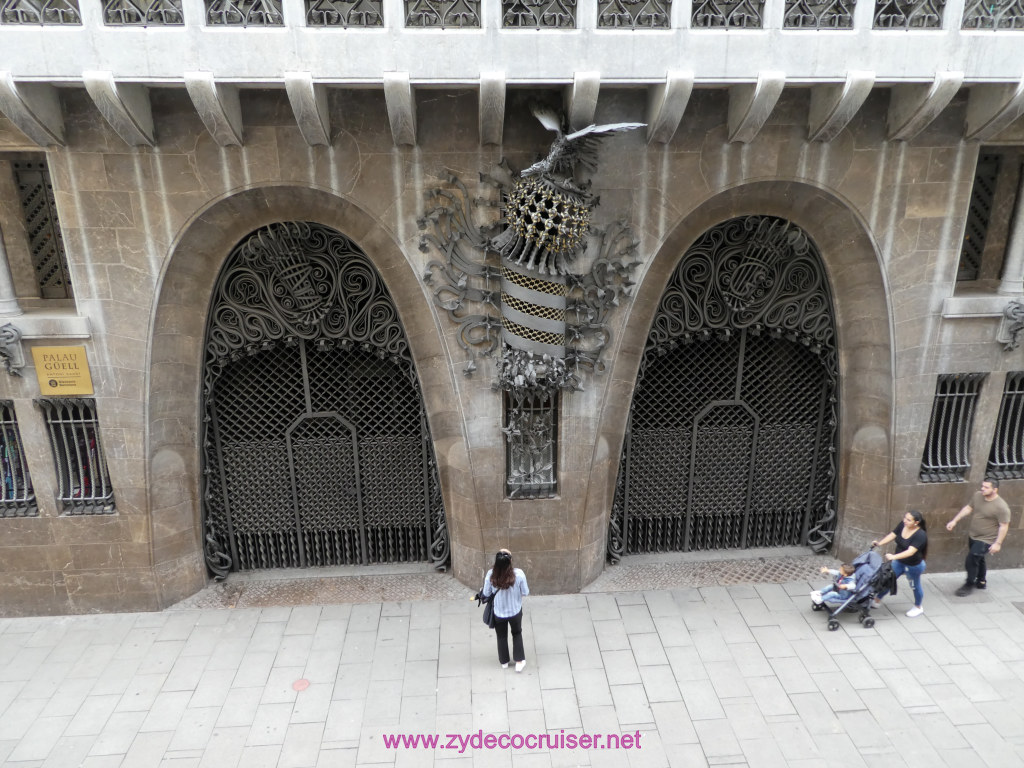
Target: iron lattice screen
(19,500)
(45,241)
(83,483)
(317,450)
(1006,459)
(531,444)
(948,445)
(733,421)
(979,212)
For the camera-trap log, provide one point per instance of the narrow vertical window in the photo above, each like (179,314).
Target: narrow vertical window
(19,500)
(44,238)
(1006,459)
(947,449)
(979,213)
(531,454)
(83,485)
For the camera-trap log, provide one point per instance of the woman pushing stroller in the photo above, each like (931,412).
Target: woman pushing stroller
(911,539)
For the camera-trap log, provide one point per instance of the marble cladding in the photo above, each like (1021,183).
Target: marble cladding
(147,230)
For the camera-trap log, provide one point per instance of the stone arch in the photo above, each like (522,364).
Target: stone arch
(175,365)
(864,329)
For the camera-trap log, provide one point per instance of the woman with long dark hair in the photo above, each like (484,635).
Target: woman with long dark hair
(508,585)
(911,537)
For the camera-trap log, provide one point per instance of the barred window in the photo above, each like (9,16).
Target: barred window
(947,450)
(1006,459)
(531,453)
(83,485)
(19,500)
(44,238)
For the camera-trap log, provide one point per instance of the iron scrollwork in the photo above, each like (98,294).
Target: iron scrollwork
(634,14)
(908,14)
(745,330)
(315,441)
(244,13)
(345,13)
(463,14)
(40,12)
(538,14)
(142,13)
(994,14)
(819,14)
(732,14)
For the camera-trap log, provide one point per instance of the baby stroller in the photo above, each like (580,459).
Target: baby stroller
(873,575)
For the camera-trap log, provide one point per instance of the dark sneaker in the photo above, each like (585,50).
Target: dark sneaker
(980,584)
(965,590)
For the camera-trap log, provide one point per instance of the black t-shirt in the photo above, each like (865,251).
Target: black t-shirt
(918,539)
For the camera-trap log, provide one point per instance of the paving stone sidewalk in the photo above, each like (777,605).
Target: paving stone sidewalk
(723,674)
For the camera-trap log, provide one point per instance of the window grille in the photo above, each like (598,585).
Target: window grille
(733,14)
(978,216)
(40,12)
(622,14)
(19,500)
(142,13)
(45,242)
(442,13)
(244,13)
(538,14)
(531,454)
(993,14)
(908,14)
(1006,459)
(819,14)
(947,450)
(345,13)
(83,485)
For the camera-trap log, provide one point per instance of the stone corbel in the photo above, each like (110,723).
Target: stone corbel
(912,107)
(492,107)
(218,107)
(309,103)
(990,108)
(751,104)
(34,108)
(1012,325)
(666,103)
(401,106)
(833,106)
(581,99)
(10,349)
(125,106)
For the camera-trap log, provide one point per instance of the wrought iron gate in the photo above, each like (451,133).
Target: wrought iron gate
(732,429)
(315,443)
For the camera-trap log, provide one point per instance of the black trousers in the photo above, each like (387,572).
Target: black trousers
(501,632)
(975,562)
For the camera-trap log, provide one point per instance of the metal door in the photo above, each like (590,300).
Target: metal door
(316,448)
(732,428)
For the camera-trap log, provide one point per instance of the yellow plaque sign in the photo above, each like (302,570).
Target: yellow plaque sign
(62,370)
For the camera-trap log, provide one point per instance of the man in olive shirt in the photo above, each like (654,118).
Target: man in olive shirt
(988,528)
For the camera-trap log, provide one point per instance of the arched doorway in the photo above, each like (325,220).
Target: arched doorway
(732,432)
(315,445)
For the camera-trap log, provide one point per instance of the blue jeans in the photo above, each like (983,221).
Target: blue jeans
(913,578)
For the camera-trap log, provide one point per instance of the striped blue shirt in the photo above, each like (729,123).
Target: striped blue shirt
(507,602)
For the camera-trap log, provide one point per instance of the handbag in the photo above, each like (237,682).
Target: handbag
(488,615)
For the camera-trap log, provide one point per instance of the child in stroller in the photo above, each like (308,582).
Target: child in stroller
(843,582)
(871,575)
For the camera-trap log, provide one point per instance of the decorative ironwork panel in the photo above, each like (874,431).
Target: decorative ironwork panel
(634,14)
(732,428)
(947,448)
(345,13)
(143,13)
(908,14)
(244,13)
(994,14)
(40,12)
(738,14)
(442,13)
(538,14)
(316,447)
(1006,459)
(19,500)
(979,212)
(83,483)
(531,444)
(819,14)
(44,236)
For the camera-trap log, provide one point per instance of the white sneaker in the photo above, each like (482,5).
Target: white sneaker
(816,598)
(505,665)
(915,611)
(520,665)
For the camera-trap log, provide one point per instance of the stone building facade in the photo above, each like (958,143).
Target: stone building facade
(873,157)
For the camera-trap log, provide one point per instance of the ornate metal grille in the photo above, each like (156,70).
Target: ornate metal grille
(947,448)
(442,13)
(908,14)
(994,14)
(83,484)
(538,14)
(742,14)
(44,237)
(1006,459)
(315,446)
(979,212)
(732,429)
(634,14)
(143,13)
(345,13)
(531,454)
(244,13)
(819,14)
(19,500)
(40,12)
